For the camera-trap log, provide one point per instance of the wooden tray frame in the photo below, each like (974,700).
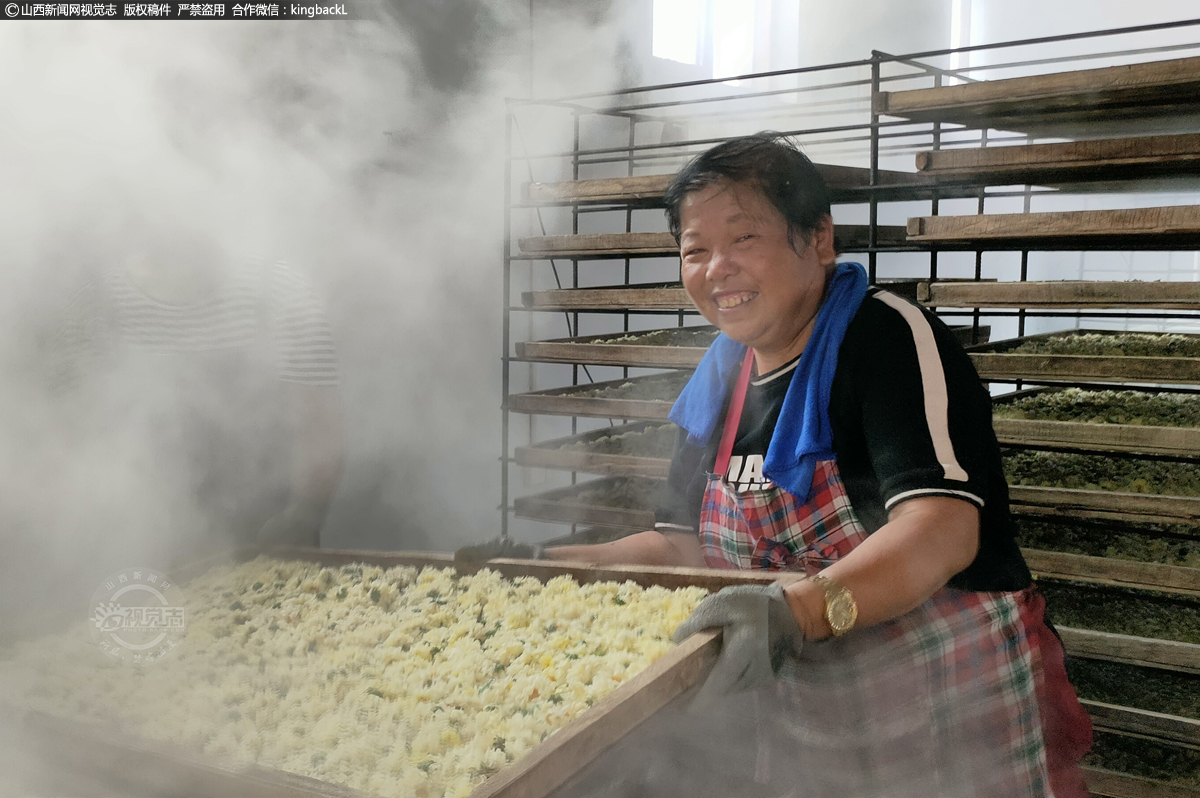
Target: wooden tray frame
(559,505)
(1114,505)
(1115,159)
(595,246)
(647,190)
(1088,95)
(1066,294)
(657,296)
(561,402)
(593,349)
(128,763)
(993,361)
(1165,228)
(1113,572)
(550,454)
(1092,437)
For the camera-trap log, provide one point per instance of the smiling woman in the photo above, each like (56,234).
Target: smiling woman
(840,431)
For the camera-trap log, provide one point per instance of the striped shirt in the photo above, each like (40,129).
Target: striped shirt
(272,301)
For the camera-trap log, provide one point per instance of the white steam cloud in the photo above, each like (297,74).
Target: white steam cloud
(368,155)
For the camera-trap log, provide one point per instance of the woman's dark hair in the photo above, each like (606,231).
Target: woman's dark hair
(771,163)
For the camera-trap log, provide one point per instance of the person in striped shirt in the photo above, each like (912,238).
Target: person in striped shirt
(213,381)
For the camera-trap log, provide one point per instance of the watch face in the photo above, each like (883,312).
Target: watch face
(841,611)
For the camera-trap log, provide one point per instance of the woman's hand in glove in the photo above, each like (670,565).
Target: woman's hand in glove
(500,548)
(759,633)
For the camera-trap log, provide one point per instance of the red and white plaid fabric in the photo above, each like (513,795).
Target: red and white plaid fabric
(964,696)
(770,530)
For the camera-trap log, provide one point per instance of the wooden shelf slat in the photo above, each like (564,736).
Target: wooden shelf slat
(1174,295)
(1148,508)
(649,189)
(1113,572)
(1144,651)
(1140,722)
(847,238)
(1134,90)
(1110,784)
(1116,159)
(1169,227)
(1173,441)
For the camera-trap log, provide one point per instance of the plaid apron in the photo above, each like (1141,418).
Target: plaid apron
(966,695)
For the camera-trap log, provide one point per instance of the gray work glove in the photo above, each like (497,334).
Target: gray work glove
(497,548)
(760,633)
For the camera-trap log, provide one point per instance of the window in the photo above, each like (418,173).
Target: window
(715,33)
(733,37)
(677,30)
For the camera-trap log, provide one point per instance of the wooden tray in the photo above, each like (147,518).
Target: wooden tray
(844,182)
(1175,295)
(1137,90)
(1150,652)
(1113,572)
(660,296)
(1173,441)
(1093,437)
(1171,227)
(551,454)
(568,402)
(97,756)
(994,361)
(847,238)
(1110,784)
(563,505)
(602,350)
(1142,723)
(1133,158)
(1112,505)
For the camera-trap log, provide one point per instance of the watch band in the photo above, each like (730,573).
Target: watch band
(841,611)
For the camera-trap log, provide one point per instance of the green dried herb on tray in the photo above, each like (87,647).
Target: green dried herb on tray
(1152,543)
(1131,685)
(1137,408)
(656,440)
(1151,689)
(624,492)
(1112,345)
(1141,757)
(1122,611)
(1102,473)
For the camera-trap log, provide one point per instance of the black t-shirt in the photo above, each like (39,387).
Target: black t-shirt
(910,418)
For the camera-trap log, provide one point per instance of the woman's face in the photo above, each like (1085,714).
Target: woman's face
(742,273)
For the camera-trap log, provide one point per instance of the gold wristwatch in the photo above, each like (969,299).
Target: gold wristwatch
(841,611)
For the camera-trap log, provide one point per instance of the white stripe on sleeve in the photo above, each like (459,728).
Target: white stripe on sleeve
(909,494)
(933,382)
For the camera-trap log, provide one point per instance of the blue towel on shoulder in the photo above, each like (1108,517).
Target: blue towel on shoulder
(803,434)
